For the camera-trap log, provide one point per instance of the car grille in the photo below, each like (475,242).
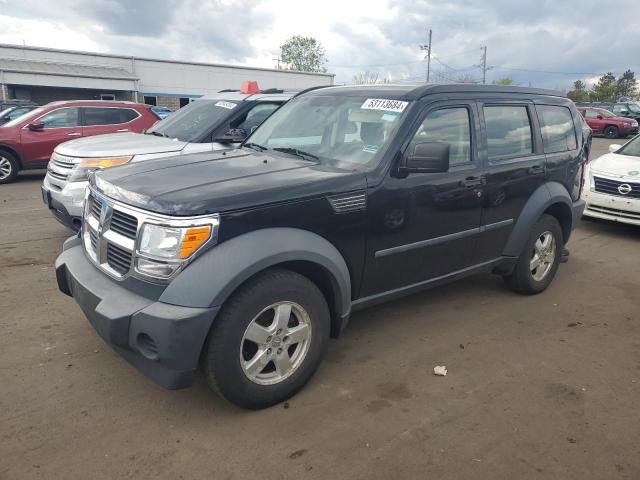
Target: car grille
(109,233)
(612,187)
(60,166)
(616,212)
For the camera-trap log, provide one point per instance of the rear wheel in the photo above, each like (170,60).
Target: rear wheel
(538,263)
(611,132)
(268,340)
(8,167)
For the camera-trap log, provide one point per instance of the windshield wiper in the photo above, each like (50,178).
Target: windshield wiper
(255,146)
(295,151)
(157,134)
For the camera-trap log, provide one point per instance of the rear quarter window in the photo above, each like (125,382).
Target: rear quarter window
(557,127)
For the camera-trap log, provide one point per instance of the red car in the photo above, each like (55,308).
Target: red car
(28,141)
(604,122)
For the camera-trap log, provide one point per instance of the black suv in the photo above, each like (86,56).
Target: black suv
(247,261)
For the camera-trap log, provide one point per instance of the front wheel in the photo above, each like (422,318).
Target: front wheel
(8,167)
(611,132)
(538,263)
(268,340)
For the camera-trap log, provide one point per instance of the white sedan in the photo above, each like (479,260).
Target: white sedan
(612,191)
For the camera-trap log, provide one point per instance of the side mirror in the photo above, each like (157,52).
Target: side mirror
(36,126)
(614,147)
(429,157)
(235,135)
(599,117)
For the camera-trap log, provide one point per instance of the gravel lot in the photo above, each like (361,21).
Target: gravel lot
(539,387)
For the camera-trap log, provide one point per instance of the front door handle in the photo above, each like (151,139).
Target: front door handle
(74,134)
(471,182)
(123,130)
(536,170)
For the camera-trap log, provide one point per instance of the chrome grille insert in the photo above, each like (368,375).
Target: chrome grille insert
(613,187)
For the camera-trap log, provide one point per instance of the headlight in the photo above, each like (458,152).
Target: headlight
(86,165)
(163,249)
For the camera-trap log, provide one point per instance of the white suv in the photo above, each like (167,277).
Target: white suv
(613,192)
(211,123)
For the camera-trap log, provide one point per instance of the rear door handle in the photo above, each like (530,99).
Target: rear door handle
(123,130)
(74,134)
(471,182)
(536,170)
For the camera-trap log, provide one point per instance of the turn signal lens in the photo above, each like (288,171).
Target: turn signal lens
(193,239)
(105,162)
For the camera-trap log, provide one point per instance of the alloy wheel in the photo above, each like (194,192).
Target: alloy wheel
(5,168)
(543,256)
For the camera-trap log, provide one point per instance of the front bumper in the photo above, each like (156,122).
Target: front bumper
(629,130)
(611,207)
(66,200)
(163,341)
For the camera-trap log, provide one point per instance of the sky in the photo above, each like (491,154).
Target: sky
(543,43)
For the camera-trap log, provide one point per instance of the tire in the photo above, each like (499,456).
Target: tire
(611,132)
(526,280)
(8,167)
(229,353)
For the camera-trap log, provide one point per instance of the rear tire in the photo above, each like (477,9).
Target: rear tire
(611,132)
(268,340)
(539,261)
(8,167)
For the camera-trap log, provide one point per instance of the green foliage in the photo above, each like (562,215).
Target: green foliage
(369,78)
(627,84)
(606,88)
(503,81)
(579,92)
(304,54)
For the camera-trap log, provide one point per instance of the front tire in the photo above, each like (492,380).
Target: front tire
(611,132)
(268,340)
(8,167)
(539,261)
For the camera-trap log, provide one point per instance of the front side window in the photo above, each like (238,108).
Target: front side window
(193,121)
(558,132)
(61,118)
(333,128)
(591,114)
(449,125)
(508,131)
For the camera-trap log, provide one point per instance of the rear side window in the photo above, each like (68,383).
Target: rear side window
(508,131)
(558,132)
(107,116)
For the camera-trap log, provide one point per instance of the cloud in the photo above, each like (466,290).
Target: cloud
(547,43)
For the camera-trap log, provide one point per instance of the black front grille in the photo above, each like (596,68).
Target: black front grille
(118,259)
(96,206)
(124,224)
(610,187)
(94,239)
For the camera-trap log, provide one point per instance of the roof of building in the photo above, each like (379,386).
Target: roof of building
(65,69)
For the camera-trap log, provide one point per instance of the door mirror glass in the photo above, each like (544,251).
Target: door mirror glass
(428,157)
(36,126)
(614,147)
(234,135)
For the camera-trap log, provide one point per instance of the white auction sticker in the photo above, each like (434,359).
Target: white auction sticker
(384,104)
(224,104)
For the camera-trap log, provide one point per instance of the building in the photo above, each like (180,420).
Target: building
(43,75)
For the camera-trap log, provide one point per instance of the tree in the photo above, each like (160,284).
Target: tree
(579,92)
(503,81)
(627,85)
(606,88)
(304,54)
(369,78)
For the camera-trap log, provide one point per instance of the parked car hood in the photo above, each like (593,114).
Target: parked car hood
(623,166)
(116,144)
(215,182)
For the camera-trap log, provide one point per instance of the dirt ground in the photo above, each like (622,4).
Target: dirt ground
(544,387)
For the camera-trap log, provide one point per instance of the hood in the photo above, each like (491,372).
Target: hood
(622,166)
(216,182)
(116,144)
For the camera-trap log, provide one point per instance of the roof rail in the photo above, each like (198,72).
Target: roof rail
(228,90)
(272,90)
(317,87)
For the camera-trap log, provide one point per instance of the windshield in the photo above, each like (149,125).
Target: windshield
(22,118)
(194,120)
(632,148)
(333,128)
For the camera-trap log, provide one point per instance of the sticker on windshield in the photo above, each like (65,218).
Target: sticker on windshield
(384,104)
(224,104)
(370,148)
(634,173)
(389,117)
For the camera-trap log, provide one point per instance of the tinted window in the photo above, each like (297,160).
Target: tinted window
(558,132)
(508,131)
(450,125)
(255,117)
(107,116)
(63,117)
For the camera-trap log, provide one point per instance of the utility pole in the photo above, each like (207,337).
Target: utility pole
(278,59)
(483,64)
(427,48)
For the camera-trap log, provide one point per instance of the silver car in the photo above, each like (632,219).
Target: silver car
(210,123)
